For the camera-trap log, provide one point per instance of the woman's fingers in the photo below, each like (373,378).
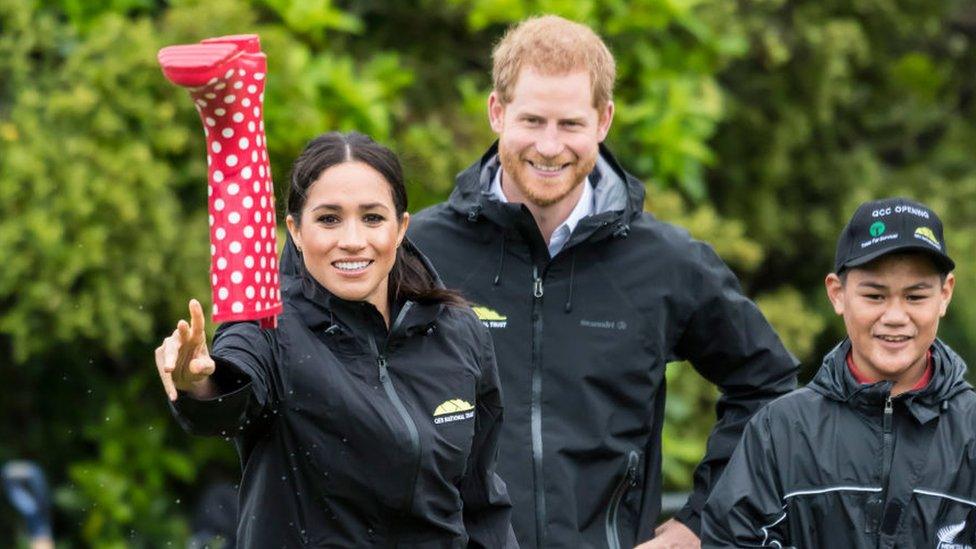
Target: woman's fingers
(197,322)
(183,329)
(168,385)
(165,362)
(201,367)
(171,349)
(183,359)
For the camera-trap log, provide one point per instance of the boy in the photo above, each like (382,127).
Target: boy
(879,450)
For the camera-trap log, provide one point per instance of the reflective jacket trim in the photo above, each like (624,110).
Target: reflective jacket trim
(765,531)
(832,489)
(946,496)
(775,543)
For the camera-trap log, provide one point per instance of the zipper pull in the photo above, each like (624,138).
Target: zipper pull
(888,413)
(381,363)
(632,461)
(536,283)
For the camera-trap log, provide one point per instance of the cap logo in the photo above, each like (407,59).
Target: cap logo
(926,235)
(877,228)
(905,208)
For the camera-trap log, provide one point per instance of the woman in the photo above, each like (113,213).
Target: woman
(370,415)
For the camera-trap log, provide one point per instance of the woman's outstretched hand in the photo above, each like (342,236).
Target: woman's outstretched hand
(183,360)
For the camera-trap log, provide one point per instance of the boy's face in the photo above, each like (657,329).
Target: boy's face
(891,309)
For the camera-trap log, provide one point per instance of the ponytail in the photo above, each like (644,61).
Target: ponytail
(411,279)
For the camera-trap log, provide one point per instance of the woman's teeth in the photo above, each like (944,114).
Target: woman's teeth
(351,265)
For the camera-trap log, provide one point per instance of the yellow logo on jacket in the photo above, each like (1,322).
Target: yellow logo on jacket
(453,410)
(490,317)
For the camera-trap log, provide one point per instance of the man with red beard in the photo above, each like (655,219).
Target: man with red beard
(588,298)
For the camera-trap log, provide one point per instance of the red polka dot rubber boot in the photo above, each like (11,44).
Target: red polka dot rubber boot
(225,77)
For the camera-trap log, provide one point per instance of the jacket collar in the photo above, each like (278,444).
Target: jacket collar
(834,381)
(619,197)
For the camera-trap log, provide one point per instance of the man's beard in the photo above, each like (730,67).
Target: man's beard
(544,192)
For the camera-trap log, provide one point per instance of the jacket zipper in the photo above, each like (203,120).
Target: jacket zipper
(540,491)
(391,393)
(887,449)
(887,443)
(628,481)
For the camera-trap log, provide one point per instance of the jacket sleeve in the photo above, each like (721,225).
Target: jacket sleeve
(746,508)
(731,344)
(244,357)
(486,507)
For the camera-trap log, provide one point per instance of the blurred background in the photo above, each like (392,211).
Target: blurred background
(759,125)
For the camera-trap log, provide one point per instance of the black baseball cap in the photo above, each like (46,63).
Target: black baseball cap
(880,227)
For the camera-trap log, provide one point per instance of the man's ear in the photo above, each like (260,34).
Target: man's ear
(835,292)
(496,112)
(606,118)
(947,287)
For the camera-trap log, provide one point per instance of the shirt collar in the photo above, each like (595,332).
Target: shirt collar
(864,380)
(584,207)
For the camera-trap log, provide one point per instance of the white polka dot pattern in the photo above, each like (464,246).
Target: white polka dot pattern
(241,199)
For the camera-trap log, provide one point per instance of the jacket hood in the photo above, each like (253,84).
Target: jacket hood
(834,381)
(619,197)
(320,309)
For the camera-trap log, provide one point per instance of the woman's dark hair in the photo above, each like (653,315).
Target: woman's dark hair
(409,278)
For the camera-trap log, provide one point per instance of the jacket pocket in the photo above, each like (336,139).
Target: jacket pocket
(627,481)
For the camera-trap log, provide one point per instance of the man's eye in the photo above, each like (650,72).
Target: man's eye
(916,297)
(873,297)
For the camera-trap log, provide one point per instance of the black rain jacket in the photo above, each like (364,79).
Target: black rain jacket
(582,340)
(843,465)
(350,436)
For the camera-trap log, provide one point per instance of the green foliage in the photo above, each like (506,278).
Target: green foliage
(836,103)
(313,18)
(758,125)
(118,495)
(88,209)
(688,417)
